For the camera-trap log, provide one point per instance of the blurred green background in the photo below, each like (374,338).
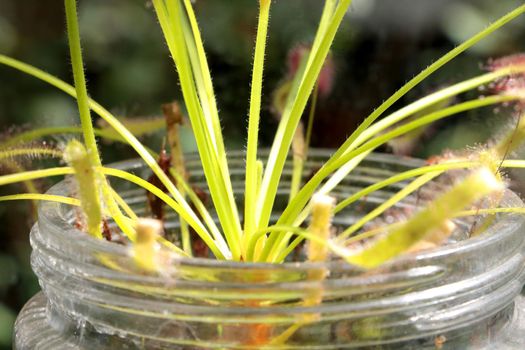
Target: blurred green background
(381,45)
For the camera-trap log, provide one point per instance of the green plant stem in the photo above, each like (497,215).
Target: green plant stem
(41,197)
(113,209)
(34,174)
(31,152)
(122,203)
(513,163)
(251,178)
(80,80)
(491,211)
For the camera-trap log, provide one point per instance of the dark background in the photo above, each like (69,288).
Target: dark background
(381,45)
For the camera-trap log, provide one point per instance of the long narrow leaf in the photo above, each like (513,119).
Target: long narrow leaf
(172,22)
(286,130)
(251,178)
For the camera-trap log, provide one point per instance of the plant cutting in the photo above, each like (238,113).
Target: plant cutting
(361,251)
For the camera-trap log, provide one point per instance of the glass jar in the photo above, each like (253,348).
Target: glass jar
(463,295)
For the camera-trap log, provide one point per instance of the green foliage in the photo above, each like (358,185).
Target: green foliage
(256,238)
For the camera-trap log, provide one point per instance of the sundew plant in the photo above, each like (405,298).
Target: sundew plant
(241,227)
